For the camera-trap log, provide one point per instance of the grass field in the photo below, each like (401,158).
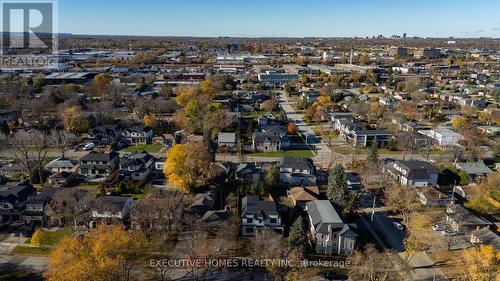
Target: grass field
(150,148)
(288,153)
(27,250)
(52,237)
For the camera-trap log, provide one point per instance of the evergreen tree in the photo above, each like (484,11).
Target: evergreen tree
(337,184)
(338,189)
(373,156)
(298,237)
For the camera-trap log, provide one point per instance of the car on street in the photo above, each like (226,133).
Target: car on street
(447,232)
(398,226)
(438,227)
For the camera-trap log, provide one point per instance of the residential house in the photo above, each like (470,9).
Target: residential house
(300,195)
(215,220)
(463,220)
(38,210)
(297,171)
(430,196)
(226,140)
(61,164)
(358,135)
(413,172)
(98,164)
(204,202)
(270,138)
(13,198)
(485,236)
(138,135)
(104,134)
(476,170)
(329,234)
(111,209)
(443,137)
(137,165)
(62,178)
(257,214)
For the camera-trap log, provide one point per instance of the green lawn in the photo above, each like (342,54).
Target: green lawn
(52,237)
(288,153)
(27,250)
(150,148)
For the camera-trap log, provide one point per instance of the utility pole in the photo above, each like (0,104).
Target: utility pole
(373,206)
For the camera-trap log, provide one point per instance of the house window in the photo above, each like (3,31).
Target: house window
(249,230)
(249,220)
(273,220)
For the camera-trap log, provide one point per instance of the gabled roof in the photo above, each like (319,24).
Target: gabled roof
(227,137)
(61,162)
(309,193)
(15,192)
(417,169)
(488,237)
(99,156)
(297,163)
(111,203)
(322,214)
(475,168)
(253,205)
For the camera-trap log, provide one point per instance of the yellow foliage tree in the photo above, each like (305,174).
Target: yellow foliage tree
(38,238)
(73,120)
(481,264)
(186,165)
(185,94)
(460,122)
(101,84)
(150,121)
(105,253)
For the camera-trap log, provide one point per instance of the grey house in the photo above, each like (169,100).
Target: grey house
(413,172)
(137,165)
(257,214)
(329,234)
(98,164)
(297,171)
(38,210)
(138,135)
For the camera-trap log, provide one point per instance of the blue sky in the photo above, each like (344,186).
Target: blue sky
(294,18)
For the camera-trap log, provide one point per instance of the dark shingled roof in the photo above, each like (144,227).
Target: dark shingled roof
(111,203)
(253,205)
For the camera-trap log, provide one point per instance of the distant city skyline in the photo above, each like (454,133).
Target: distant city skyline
(282,18)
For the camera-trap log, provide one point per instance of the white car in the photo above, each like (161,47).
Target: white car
(398,226)
(447,232)
(89,146)
(437,227)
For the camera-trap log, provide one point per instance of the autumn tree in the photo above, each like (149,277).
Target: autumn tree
(372,265)
(402,200)
(74,120)
(29,150)
(373,154)
(100,84)
(104,253)
(292,128)
(38,239)
(478,264)
(150,121)
(187,165)
(271,246)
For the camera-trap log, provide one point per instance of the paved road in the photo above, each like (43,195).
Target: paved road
(323,152)
(389,237)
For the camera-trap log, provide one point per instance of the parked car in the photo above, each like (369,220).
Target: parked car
(447,232)
(437,227)
(334,276)
(89,146)
(398,226)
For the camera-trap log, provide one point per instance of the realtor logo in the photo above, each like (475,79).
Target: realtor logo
(28,27)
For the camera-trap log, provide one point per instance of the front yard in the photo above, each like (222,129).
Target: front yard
(51,239)
(149,148)
(289,153)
